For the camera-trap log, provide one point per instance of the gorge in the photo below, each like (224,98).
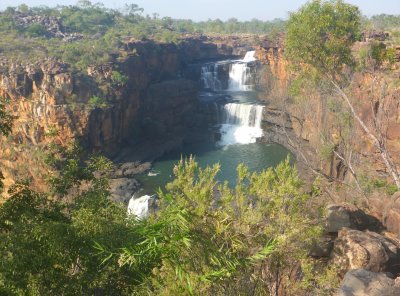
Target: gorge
(143,155)
(237,119)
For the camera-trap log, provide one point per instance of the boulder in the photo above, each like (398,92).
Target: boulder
(337,218)
(345,215)
(122,189)
(130,169)
(354,249)
(322,247)
(392,215)
(361,282)
(387,209)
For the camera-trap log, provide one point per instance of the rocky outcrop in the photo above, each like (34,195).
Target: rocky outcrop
(361,282)
(368,250)
(50,24)
(347,216)
(387,210)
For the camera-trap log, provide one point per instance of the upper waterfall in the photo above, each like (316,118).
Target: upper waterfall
(249,57)
(240,73)
(231,75)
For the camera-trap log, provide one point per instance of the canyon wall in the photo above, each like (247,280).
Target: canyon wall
(309,124)
(145,97)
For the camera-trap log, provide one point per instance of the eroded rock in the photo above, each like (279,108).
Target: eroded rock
(368,250)
(361,282)
(344,215)
(122,189)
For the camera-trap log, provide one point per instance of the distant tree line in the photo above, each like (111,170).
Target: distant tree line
(85,33)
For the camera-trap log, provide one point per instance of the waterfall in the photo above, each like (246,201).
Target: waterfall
(241,123)
(139,206)
(240,73)
(242,114)
(229,75)
(209,76)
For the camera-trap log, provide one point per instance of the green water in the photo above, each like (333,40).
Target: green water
(256,157)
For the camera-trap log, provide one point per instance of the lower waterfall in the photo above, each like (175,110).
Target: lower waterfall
(241,123)
(139,206)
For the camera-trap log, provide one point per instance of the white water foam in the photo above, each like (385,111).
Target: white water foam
(241,123)
(249,57)
(239,73)
(139,206)
(234,134)
(153,173)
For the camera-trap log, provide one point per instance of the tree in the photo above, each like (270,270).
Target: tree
(319,40)
(321,34)
(47,241)
(214,240)
(6,121)
(206,239)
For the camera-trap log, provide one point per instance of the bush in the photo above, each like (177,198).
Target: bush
(98,102)
(118,78)
(36,30)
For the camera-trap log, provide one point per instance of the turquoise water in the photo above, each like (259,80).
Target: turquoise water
(256,157)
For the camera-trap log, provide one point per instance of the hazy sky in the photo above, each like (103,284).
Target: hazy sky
(223,9)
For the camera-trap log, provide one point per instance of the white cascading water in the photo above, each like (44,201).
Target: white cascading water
(239,73)
(139,206)
(241,123)
(209,76)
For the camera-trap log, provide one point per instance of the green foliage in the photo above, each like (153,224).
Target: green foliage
(370,185)
(385,21)
(231,244)
(196,244)
(375,55)
(6,120)
(48,246)
(118,78)
(98,102)
(320,36)
(99,31)
(36,30)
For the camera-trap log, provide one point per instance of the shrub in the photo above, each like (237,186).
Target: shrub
(98,102)
(118,78)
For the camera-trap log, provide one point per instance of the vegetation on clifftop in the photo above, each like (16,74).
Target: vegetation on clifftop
(86,33)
